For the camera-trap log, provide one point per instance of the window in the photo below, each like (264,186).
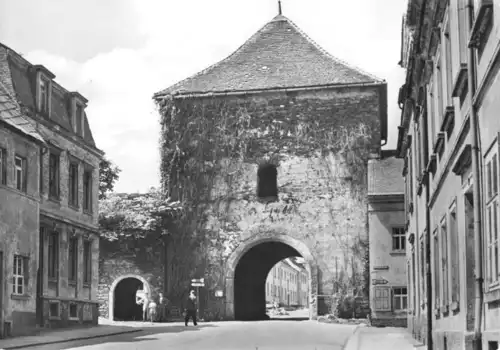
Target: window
(3,166)
(19,276)
(73,310)
(54,175)
(400,298)
(54,309)
(398,239)
(79,119)
(431,127)
(444,262)
(454,258)
(20,173)
(53,253)
(73,184)
(484,37)
(437,271)
(382,298)
(87,262)
(422,267)
(87,190)
(73,259)
(492,212)
(410,175)
(44,95)
(267,181)
(448,64)
(438,92)
(413,279)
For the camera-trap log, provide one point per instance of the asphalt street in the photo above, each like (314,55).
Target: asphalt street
(263,335)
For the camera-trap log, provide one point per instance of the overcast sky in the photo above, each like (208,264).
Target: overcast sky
(117,53)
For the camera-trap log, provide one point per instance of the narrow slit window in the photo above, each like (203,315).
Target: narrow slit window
(267,181)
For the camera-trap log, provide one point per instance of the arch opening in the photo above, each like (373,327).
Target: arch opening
(125,307)
(251,296)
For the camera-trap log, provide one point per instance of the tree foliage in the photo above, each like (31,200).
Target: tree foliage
(136,215)
(108,175)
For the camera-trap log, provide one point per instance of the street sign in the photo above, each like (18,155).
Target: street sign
(376,281)
(198,284)
(219,293)
(198,280)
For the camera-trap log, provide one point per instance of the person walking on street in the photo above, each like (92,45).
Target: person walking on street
(162,307)
(191,308)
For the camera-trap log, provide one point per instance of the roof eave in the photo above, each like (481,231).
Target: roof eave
(36,138)
(196,94)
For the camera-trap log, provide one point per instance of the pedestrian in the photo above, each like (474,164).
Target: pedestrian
(152,311)
(162,307)
(142,298)
(191,308)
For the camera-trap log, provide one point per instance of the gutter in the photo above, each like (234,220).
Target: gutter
(257,91)
(476,175)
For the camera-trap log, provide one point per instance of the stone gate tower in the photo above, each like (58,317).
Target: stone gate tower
(268,150)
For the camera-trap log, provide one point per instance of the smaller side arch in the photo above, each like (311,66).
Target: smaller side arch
(111,300)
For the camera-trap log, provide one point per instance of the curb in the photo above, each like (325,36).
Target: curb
(70,340)
(352,343)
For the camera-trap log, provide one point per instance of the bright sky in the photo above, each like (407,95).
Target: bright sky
(117,53)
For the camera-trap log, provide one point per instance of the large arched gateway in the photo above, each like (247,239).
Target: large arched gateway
(248,267)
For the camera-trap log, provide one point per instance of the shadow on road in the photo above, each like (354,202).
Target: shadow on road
(289,319)
(140,336)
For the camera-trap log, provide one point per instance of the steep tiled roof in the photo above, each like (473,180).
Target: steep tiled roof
(279,55)
(10,113)
(17,76)
(385,176)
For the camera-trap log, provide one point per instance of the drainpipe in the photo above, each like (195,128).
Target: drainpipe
(478,263)
(427,243)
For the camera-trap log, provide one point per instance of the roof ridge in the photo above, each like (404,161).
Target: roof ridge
(325,52)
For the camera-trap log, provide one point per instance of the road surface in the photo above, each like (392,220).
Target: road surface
(262,335)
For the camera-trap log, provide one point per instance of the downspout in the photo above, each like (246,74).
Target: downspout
(478,263)
(427,243)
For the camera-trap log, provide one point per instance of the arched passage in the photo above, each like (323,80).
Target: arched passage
(122,305)
(248,268)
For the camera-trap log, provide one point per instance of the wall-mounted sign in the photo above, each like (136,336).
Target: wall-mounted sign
(376,281)
(378,268)
(219,293)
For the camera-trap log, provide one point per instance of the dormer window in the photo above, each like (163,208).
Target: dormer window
(79,120)
(44,89)
(78,104)
(44,95)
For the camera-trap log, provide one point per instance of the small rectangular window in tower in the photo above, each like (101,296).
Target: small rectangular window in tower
(267,182)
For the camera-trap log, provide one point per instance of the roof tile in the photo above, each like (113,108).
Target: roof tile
(279,55)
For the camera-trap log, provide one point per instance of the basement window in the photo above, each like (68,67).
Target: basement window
(267,182)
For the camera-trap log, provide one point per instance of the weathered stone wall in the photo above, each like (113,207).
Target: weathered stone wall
(18,233)
(322,190)
(142,257)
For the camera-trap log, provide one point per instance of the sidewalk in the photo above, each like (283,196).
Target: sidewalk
(64,335)
(372,338)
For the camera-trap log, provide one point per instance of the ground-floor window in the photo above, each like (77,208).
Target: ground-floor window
(19,275)
(400,298)
(382,298)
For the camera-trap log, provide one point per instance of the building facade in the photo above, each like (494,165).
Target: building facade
(67,189)
(20,149)
(387,241)
(287,177)
(287,284)
(449,137)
